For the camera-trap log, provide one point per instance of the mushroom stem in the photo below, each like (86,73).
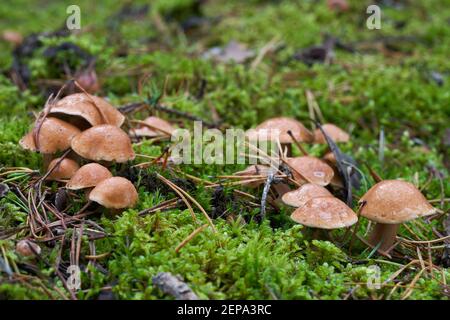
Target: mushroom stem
(384,233)
(320,234)
(281,188)
(46,159)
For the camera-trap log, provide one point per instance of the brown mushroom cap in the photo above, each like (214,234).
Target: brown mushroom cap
(93,109)
(395,201)
(333,131)
(88,80)
(104,143)
(55,135)
(65,170)
(267,131)
(313,169)
(255,170)
(156,127)
(23,248)
(306,192)
(115,193)
(88,176)
(325,213)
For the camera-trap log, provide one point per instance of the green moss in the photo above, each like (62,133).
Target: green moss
(361,92)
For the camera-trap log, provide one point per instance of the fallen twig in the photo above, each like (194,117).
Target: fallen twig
(174,286)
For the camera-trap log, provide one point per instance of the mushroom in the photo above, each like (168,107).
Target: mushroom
(390,203)
(267,131)
(62,169)
(297,198)
(254,170)
(261,170)
(54,135)
(27,248)
(91,109)
(325,213)
(13,37)
(333,131)
(88,176)
(312,169)
(153,127)
(115,193)
(104,143)
(88,80)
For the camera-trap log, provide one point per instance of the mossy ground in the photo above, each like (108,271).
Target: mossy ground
(388,88)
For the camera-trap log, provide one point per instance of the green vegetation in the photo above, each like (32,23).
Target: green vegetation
(387,83)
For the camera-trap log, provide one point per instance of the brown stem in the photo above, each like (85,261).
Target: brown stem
(320,234)
(281,188)
(384,233)
(46,159)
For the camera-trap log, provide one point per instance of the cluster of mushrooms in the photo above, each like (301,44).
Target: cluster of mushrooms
(84,129)
(87,129)
(388,203)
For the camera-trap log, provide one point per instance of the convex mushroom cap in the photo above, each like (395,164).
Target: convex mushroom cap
(306,192)
(62,169)
(153,127)
(93,109)
(115,193)
(395,202)
(312,169)
(333,131)
(88,176)
(27,248)
(267,131)
(104,143)
(54,135)
(325,213)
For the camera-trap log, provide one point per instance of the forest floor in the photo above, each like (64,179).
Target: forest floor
(393,82)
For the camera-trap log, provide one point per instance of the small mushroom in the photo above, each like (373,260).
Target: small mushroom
(267,131)
(54,135)
(262,170)
(338,5)
(27,248)
(13,37)
(333,131)
(153,127)
(92,109)
(390,203)
(312,169)
(115,193)
(104,143)
(88,176)
(254,170)
(62,169)
(297,198)
(325,213)
(88,80)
